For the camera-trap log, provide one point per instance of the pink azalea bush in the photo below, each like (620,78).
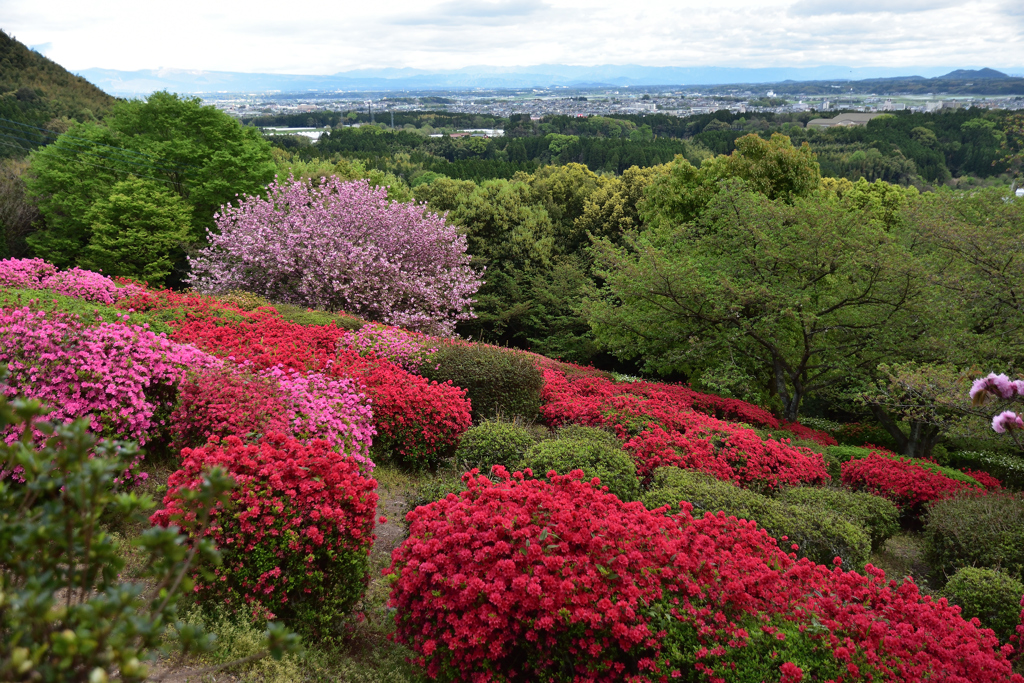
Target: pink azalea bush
(339,245)
(406,349)
(118,376)
(77,283)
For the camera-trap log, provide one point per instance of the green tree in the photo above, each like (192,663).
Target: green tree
(138,231)
(199,153)
(807,294)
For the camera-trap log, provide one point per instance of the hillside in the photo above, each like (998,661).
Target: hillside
(35,90)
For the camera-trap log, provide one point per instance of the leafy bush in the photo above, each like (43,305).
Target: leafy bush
(498,382)
(821,535)
(437,488)
(606,462)
(1008,468)
(493,442)
(307,316)
(876,515)
(990,595)
(247,301)
(295,536)
(976,530)
(572,432)
(65,617)
(341,245)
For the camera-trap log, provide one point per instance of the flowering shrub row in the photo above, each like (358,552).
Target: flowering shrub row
(296,534)
(417,420)
(902,481)
(123,378)
(77,283)
(660,431)
(525,579)
(408,350)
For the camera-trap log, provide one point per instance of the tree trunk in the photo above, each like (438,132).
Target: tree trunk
(919,443)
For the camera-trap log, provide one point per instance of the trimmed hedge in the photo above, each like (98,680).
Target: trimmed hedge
(574,432)
(990,595)
(876,515)
(493,442)
(304,316)
(499,382)
(610,464)
(821,535)
(1005,467)
(980,530)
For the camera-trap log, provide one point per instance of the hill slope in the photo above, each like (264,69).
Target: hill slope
(35,90)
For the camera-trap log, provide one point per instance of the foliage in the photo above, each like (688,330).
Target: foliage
(555,580)
(989,595)
(906,483)
(493,442)
(1009,469)
(603,461)
(307,316)
(976,530)
(575,432)
(138,231)
(17,212)
(341,246)
(876,515)
(821,534)
(498,382)
(66,616)
(196,152)
(295,535)
(810,293)
(122,378)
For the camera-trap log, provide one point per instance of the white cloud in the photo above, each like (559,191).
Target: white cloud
(324,37)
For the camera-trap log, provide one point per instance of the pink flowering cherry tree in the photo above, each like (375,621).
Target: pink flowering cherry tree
(1003,389)
(340,245)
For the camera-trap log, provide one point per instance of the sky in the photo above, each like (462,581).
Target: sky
(320,38)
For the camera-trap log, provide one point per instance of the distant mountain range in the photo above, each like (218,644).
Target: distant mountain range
(486,77)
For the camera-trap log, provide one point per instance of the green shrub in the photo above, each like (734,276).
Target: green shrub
(303,316)
(610,464)
(45,300)
(821,535)
(493,442)
(437,487)
(247,301)
(991,595)
(65,616)
(574,432)
(876,515)
(499,382)
(975,530)
(1005,467)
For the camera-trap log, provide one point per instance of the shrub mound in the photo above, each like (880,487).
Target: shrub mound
(989,595)
(493,442)
(295,537)
(590,434)
(876,515)
(527,579)
(499,382)
(76,283)
(972,529)
(904,481)
(819,534)
(596,459)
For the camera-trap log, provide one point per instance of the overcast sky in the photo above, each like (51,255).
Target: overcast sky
(317,37)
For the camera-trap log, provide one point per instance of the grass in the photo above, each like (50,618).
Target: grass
(903,556)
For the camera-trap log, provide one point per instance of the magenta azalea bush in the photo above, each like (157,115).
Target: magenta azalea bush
(118,376)
(339,245)
(77,283)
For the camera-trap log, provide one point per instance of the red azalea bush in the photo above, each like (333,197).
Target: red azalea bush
(296,534)
(906,484)
(816,435)
(659,429)
(983,478)
(521,579)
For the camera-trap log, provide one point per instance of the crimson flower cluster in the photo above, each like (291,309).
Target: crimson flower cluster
(660,429)
(296,534)
(527,579)
(905,483)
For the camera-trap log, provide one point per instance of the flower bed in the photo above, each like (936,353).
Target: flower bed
(77,283)
(904,482)
(555,580)
(658,430)
(296,534)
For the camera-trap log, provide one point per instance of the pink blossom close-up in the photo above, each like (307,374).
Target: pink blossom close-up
(1005,421)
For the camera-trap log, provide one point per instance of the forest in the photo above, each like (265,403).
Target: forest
(397,408)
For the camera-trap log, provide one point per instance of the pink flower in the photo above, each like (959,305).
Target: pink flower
(1006,420)
(999,385)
